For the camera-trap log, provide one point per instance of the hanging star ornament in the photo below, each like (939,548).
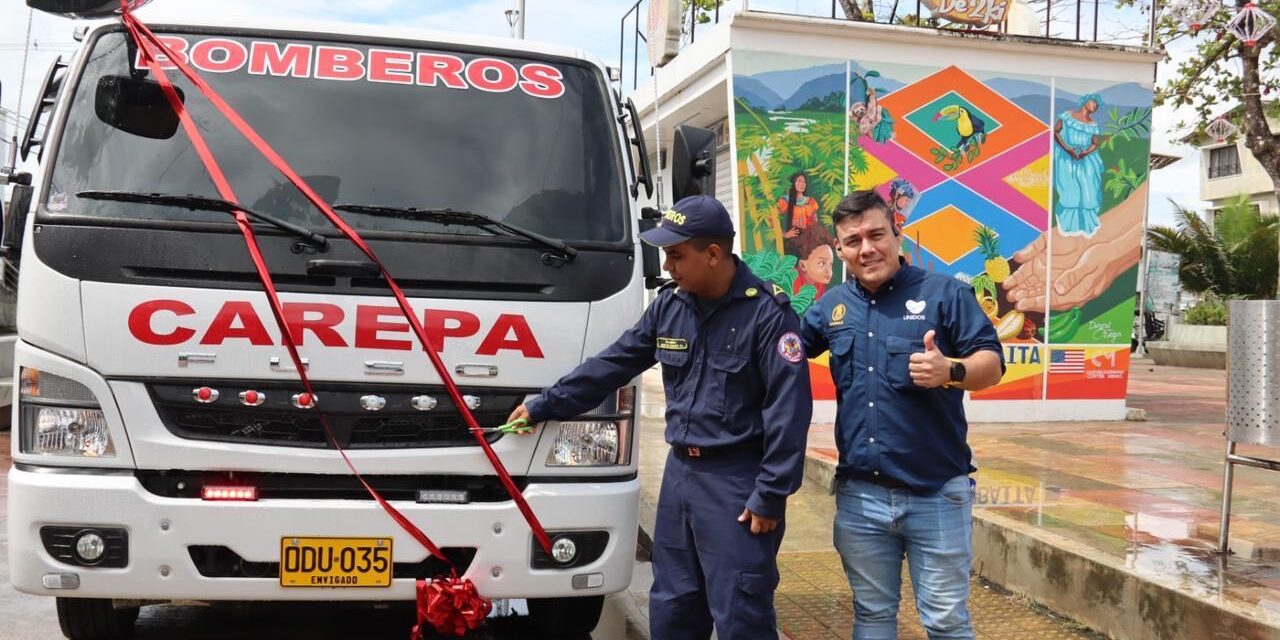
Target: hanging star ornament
(1251,24)
(1221,129)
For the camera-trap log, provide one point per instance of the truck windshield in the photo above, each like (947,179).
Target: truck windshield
(525,141)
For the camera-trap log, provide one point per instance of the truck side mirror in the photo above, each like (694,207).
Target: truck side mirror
(136,105)
(15,221)
(649,261)
(693,166)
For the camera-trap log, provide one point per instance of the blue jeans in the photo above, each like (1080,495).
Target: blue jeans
(875,527)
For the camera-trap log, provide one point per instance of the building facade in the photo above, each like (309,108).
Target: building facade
(977,141)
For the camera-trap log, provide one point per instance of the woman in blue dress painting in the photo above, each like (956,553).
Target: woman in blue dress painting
(1077,168)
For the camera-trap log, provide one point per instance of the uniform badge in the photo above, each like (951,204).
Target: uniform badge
(790,348)
(777,290)
(673,344)
(916,306)
(751,292)
(837,315)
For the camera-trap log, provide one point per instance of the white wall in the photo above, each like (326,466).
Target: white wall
(1253,179)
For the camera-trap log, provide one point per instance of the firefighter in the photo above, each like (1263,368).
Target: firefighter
(738,410)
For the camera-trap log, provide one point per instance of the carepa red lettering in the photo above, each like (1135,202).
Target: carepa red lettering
(174,322)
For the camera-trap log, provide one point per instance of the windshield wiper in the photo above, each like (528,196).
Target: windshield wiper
(465,218)
(201,203)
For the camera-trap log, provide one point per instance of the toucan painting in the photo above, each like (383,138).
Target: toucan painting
(967,125)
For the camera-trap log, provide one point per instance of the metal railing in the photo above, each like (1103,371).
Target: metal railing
(1062,20)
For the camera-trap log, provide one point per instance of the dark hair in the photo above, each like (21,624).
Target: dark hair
(810,238)
(701,244)
(791,197)
(859,202)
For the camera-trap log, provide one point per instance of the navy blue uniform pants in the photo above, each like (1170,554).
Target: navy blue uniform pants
(707,566)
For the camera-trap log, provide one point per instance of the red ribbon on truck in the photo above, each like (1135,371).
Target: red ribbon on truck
(450,604)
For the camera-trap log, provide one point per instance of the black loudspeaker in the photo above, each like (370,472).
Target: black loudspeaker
(80,8)
(693,164)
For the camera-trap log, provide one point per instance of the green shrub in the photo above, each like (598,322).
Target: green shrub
(1209,312)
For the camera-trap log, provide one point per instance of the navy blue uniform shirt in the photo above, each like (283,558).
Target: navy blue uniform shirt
(886,426)
(736,377)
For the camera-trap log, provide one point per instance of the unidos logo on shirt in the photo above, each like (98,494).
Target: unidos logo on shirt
(915,310)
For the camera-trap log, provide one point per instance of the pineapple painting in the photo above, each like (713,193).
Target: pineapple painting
(996,266)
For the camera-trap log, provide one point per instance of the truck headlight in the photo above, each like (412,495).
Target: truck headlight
(601,437)
(60,416)
(588,444)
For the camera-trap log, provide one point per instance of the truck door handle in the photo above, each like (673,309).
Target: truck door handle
(280,368)
(348,268)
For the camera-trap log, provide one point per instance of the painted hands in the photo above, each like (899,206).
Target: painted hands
(1081,268)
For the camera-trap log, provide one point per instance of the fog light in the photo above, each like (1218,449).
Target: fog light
(564,550)
(90,547)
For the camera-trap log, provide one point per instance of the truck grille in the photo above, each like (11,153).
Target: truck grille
(277,422)
(306,486)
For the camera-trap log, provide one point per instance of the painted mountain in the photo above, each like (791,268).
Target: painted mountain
(786,83)
(755,93)
(816,88)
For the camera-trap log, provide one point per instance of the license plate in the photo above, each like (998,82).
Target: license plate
(335,562)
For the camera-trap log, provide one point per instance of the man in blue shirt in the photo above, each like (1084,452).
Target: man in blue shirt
(905,343)
(738,411)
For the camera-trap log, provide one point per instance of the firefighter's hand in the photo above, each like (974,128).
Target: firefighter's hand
(519,413)
(759,523)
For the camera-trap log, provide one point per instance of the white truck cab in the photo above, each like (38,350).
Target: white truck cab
(159,449)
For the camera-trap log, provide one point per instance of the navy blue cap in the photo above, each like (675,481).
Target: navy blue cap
(692,217)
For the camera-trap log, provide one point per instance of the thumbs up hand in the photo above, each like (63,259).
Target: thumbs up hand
(929,368)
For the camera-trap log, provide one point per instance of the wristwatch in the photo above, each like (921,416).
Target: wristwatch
(957,374)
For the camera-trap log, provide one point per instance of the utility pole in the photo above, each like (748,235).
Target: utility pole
(515,18)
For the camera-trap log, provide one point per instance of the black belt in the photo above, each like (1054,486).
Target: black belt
(703,453)
(880,480)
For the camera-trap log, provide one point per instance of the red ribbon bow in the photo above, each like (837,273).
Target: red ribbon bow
(451,606)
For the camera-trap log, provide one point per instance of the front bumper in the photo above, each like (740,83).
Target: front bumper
(160,566)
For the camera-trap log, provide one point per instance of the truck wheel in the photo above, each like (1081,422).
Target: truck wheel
(565,617)
(95,619)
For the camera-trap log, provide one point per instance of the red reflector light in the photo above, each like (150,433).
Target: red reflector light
(213,492)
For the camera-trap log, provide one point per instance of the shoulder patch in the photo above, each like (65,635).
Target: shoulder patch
(790,347)
(780,296)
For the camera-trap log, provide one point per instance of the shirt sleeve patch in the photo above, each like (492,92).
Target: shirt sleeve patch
(789,347)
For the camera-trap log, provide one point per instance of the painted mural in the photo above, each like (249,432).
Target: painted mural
(1030,189)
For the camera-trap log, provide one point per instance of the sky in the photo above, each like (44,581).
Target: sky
(591,25)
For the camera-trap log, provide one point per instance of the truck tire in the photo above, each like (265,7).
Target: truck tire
(95,619)
(565,617)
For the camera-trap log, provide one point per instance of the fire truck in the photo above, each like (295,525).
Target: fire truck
(163,448)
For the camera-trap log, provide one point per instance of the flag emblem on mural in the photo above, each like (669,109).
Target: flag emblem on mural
(1066,361)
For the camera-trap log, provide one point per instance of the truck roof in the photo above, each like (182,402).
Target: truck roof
(308,28)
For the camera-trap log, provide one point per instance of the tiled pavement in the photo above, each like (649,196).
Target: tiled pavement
(1147,494)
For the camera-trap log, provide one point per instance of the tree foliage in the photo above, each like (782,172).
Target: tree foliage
(1235,256)
(1223,75)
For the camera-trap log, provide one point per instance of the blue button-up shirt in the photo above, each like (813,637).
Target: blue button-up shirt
(886,426)
(736,377)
